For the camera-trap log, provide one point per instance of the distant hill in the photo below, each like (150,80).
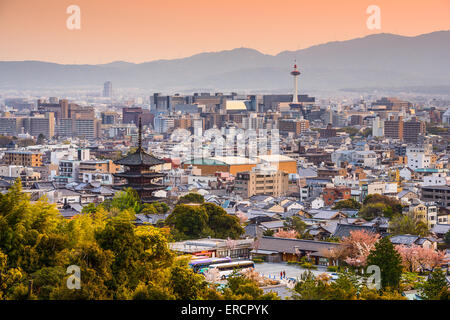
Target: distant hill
(379,60)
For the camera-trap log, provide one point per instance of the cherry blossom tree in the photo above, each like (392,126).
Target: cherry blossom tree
(290,234)
(358,245)
(417,258)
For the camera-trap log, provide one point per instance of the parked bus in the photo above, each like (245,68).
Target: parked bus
(225,269)
(198,264)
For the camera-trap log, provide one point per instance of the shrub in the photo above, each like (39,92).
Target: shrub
(333,268)
(308,266)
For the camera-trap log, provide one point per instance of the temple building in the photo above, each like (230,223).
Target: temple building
(138,172)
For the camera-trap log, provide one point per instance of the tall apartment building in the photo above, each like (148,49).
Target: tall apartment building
(132,115)
(83,128)
(261,182)
(23,158)
(329,132)
(296,126)
(87,128)
(377,127)
(438,194)
(393,128)
(9,126)
(412,130)
(60,109)
(252,122)
(163,124)
(109,117)
(41,124)
(356,120)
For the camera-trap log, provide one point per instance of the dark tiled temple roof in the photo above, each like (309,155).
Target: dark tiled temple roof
(290,245)
(343,230)
(140,157)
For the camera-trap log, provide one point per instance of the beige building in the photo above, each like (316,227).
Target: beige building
(261,182)
(97,170)
(425,212)
(23,158)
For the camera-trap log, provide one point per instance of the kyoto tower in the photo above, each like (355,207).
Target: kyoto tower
(295,73)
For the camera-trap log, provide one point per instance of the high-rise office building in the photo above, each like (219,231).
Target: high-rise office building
(107,89)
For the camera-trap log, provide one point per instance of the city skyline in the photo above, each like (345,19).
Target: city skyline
(176,29)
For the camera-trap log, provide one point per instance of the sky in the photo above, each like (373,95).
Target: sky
(145,30)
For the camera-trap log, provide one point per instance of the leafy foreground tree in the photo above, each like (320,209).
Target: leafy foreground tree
(346,287)
(208,219)
(117,259)
(436,287)
(387,258)
(242,288)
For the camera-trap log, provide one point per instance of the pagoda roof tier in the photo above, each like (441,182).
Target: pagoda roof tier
(130,174)
(147,187)
(139,158)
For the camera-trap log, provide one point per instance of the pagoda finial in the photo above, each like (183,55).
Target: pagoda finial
(140,135)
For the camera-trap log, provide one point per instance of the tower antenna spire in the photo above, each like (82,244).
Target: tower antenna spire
(140,135)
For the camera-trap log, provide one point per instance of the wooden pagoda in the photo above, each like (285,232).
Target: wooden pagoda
(138,172)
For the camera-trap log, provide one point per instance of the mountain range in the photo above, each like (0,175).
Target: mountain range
(378,60)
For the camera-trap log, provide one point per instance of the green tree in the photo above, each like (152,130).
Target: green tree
(191,198)
(161,207)
(95,268)
(241,288)
(221,223)
(389,261)
(297,224)
(128,199)
(393,205)
(408,224)
(188,222)
(373,210)
(447,238)
(310,288)
(436,287)
(148,208)
(186,284)
(347,204)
